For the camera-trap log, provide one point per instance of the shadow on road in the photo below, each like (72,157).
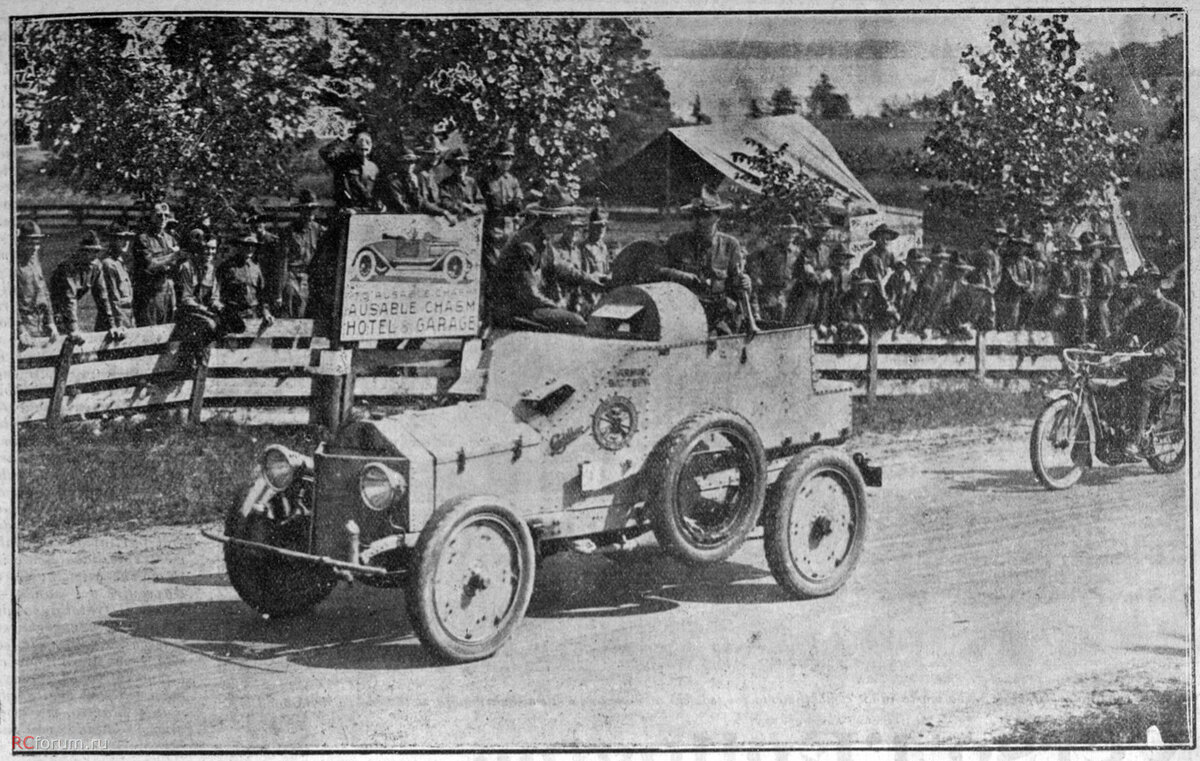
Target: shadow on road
(336,634)
(637,583)
(199,580)
(1023,481)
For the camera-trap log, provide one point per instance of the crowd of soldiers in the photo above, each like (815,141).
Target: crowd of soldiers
(1013,283)
(545,262)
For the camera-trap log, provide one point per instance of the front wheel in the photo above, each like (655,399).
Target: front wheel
(273,584)
(471,580)
(816,523)
(1052,445)
(1168,434)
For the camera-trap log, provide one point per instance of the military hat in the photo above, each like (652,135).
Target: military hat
(306,199)
(163,209)
(706,203)
(431,146)
(29,230)
(506,148)
(90,242)
(554,202)
(1087,239)
(118,229)
(789,223)
(917,256)
(883,231)
(459,155)
(598,217)
(247,238)
(839,252)
(196,236)
(1148,271)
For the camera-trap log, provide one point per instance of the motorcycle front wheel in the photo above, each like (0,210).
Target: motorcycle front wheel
(1056,432)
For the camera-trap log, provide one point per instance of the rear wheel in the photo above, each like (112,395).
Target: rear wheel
(273,584)
(1056,434)
(1168,434)
(472,579)
(816,523)
(708,483)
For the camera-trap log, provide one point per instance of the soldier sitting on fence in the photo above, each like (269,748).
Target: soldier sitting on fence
(118,288)
(75,278)
(959,301)
(1103,285)
(241,282)
(804,298)
(904,284)
(35,318)
(203,316)
(930,286)
(459,192)
(1013,293)
(836,291)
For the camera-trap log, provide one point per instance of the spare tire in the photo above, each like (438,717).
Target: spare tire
(706,485)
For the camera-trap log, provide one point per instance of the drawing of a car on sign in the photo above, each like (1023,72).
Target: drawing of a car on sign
(411,258)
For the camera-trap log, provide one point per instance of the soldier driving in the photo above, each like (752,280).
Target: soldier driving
(710,263)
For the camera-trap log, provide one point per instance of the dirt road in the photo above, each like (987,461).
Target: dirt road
(980,600)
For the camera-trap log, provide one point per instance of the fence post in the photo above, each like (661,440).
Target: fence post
(61,371)
(199,378)
(872,364)
(980,355)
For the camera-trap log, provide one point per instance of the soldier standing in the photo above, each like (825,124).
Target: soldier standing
(72,280)
(1103,285)
(958,299)
(35,316)
(118,288)
(907,298)
(929,289)
(155,255)
(397,192)
(1076,292)
(1013,294)
(298,246)
(459,192)
(771,267)
(837,293)
(804,299)
(354,173)
(202,314)
(429,196)
(877,262)
(709,263)
(504,201)
(241,282)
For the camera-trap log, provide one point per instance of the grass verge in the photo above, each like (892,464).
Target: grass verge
(972,406)
(156,471)
(1120,721)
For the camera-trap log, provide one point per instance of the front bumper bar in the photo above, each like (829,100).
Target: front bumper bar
(354,569)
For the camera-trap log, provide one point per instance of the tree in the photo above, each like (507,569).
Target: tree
(825,103)
(1032,136)
(698,114)
(206,111)
(784,101)
(755,111)
(783,188)
(551,85)
(925,107)
(644,109)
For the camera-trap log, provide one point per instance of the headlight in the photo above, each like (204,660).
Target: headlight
(280,465)
(380,486)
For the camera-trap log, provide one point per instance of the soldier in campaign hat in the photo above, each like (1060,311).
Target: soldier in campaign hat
(74,278)
(459,191)
(397,192)
(298,245)
(770,269)
(156,253)
(710,263)
(503,199)
(35,316)
(594,255)
(876,263)
(429,194)
(117,284)
(241,281)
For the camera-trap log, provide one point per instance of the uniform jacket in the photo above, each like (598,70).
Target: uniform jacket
(119,291)
(71,281)
(34,313)
(353,176)
(692,260)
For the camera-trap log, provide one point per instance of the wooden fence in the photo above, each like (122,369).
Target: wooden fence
(265,375)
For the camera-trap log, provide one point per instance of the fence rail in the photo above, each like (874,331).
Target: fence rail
(265,375)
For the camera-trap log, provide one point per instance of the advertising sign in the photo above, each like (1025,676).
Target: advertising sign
(411,276)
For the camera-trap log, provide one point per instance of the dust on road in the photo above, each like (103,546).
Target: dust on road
(981,600)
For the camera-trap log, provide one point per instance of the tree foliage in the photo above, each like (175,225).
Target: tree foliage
(1031,136)
(783,188)
(784,101)
(205,111)
(824,102)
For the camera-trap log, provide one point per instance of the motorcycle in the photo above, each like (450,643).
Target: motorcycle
(1083,424)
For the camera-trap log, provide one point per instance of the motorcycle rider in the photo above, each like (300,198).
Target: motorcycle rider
(1158,325)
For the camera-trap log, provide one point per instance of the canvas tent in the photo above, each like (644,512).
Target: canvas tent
(670,170)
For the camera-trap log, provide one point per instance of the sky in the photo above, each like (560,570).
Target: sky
(727,59)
